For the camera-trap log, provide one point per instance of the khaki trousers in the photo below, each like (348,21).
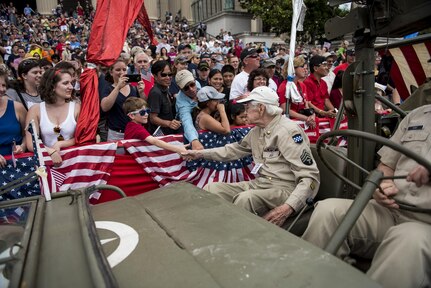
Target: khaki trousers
(257,196)
(399,242)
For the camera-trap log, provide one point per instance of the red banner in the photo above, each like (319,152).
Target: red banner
(108,32)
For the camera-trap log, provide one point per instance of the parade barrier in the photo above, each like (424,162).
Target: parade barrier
(136,166)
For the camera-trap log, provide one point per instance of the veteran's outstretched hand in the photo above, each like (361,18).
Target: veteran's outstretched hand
(191,155)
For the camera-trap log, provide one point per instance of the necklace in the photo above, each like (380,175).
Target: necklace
(32,95)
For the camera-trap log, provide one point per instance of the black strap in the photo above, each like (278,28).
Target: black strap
(300,90)
(22,99)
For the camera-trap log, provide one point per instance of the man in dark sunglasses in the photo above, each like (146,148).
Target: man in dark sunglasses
(250,60)
(186,100)
(161,102)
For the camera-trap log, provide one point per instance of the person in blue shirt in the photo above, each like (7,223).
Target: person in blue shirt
(28,11)
(74,42)
(186,101)
(12,123)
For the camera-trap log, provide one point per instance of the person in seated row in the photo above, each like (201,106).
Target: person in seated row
(388,235)
(211,106)
(317,88)
(297,104)
(12,122)
(136,109)
(286,173)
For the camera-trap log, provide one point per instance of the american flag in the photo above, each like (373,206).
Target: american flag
(323,125)
(24,167)
(409,66)
(166,167)
(81,167)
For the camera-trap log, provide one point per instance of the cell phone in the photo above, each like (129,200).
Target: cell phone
(133,77)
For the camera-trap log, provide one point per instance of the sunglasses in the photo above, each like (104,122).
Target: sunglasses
(187,87)
(165,75)
(142,112)
(324,63)
(57,131)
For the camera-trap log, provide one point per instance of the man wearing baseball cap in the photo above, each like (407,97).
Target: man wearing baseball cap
(350,58)
(185,102)
(285,171)
(250,61)
(203,72)
(180,63)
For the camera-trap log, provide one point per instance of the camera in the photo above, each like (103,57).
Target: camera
(133,78)
(306,111)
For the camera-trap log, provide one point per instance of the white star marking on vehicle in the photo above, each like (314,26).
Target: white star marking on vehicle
(128,236)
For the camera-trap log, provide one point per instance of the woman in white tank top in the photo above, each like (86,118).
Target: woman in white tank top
(56,117)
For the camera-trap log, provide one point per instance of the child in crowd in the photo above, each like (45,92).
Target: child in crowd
(136,109)
(238,116)
(210,108)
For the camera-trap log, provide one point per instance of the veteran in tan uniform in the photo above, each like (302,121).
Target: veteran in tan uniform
(398,241)
(286,173)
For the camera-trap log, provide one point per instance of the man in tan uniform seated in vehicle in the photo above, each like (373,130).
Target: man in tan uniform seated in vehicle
(286,173)
(398,241)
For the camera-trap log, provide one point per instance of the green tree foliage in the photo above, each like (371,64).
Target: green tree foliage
(277,14)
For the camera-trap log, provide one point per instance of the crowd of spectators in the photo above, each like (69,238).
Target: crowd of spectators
(34,43)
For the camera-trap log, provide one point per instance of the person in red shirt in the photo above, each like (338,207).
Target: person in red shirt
(298,103)
(317,88)
(136,109)
(350,58)
(60,46)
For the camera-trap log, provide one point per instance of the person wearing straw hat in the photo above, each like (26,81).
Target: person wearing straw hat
(285,171)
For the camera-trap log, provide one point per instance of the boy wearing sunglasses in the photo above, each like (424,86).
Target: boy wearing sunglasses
(136,109)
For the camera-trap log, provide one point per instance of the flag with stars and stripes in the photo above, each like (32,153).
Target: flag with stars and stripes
(24,167)
(323,125)
(81,167)
(166,167)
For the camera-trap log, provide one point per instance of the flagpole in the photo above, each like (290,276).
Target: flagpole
(41,169)
(298,9)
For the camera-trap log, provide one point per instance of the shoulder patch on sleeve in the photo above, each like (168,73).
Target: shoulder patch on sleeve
(306,158)
(297,138)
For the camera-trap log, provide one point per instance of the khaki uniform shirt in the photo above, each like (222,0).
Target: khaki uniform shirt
(283,149)
(414,134)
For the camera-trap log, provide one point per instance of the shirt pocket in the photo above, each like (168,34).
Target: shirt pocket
(415,141)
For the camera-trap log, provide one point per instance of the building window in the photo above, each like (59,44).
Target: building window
(229,4)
